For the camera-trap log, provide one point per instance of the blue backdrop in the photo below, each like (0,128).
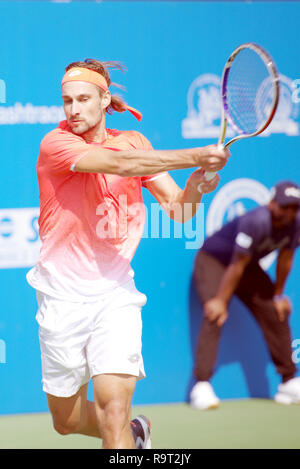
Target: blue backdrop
(174,53)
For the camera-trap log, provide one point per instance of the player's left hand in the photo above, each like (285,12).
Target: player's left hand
(283,307)
(198,182)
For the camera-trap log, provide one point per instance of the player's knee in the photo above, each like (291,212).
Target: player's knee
(65,427)
(116,415)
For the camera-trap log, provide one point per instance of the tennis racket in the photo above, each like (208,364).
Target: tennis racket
(249,94)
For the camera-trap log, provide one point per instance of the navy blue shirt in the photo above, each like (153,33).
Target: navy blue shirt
(252,234)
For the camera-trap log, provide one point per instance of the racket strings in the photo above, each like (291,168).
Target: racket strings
(249,92)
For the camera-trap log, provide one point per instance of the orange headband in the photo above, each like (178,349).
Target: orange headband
(90,76)
(85,74)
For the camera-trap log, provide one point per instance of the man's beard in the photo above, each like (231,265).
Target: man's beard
(84,128)
(79,129)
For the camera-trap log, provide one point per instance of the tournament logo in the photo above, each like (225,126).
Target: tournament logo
(204,108)
(234,199)
(286,118)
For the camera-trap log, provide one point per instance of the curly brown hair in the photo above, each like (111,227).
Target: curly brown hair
(117,103)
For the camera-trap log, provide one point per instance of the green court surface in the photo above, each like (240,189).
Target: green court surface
(254,423)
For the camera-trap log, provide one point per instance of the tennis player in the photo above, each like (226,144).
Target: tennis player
(91,221)
(227,265)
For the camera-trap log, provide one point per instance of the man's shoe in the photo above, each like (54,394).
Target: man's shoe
(202,396)
(289,392)
(142,432)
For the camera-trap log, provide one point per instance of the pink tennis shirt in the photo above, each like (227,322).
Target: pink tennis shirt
(90,224)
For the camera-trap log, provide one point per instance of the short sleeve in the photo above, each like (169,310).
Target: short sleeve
(61,150)
(247,236)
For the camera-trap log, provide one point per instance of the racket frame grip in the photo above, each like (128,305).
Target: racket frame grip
(210,175)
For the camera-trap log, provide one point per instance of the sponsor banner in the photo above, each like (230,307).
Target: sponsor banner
(30,114)
(19,240)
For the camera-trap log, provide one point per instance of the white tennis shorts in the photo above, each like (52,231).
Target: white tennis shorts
(81,340)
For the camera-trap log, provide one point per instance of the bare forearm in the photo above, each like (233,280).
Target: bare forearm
(132,163)
(183,204)
(280,282)
(143,163)
(283,268)
(188,200)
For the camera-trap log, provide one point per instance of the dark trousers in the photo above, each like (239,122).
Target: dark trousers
(255,290)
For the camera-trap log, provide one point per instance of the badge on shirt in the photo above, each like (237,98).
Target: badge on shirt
(243,240)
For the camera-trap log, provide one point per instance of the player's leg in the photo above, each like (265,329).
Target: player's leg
(114,354)
(64,331)
(74,414)
(208,273)
(113,394)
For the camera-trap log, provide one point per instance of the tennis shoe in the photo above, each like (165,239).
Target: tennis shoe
(142,432)
(288,392)
(203,397)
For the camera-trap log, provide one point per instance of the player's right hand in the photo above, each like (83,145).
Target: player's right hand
(212,158)
(216,311)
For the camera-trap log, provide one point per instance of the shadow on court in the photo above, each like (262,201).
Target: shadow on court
(241,343)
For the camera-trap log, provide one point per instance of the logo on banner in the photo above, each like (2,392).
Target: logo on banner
(286,118)
(204,108)
(233,200)
(204,105)
(30,114)
(19,239)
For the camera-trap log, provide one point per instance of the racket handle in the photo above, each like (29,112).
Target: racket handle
(209,176)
